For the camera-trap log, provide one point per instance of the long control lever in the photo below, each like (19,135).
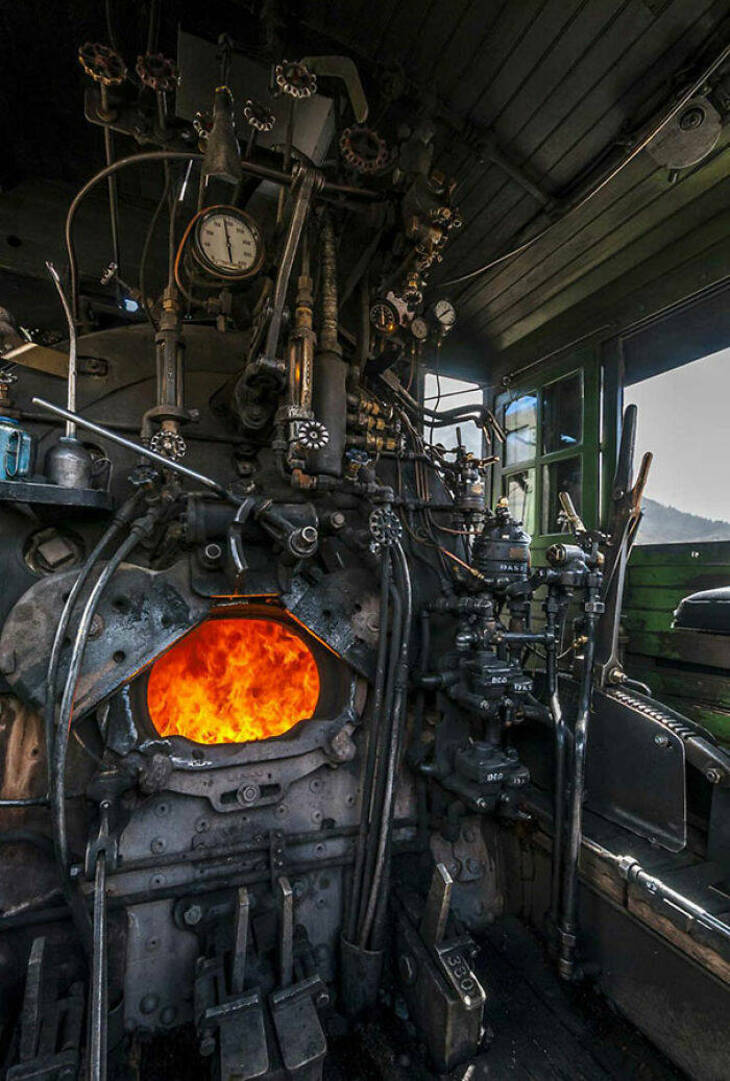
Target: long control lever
(624,523)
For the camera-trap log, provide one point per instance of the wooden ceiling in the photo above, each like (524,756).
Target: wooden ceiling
(529,96)
(556,86)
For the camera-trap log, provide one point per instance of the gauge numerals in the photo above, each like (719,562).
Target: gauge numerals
(228,243)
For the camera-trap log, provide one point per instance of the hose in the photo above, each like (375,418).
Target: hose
(378,895)
(57,787)
(377,787)
(369,757)
(103,174)
(123,515)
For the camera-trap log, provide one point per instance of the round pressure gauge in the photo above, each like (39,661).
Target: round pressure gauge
(419,328)
(384,317)
(444,313)
(228,243)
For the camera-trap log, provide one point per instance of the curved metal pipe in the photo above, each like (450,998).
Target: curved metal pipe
(58,807)
(384,735)
(568,919)
(368,766)
(378,895)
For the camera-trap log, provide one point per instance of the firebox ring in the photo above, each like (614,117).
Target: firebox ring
(335,690)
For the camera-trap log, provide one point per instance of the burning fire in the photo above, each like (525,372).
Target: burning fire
(233,680)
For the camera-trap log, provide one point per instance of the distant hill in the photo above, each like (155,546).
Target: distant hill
(667,525)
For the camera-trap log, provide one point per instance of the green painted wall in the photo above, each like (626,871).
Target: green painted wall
(689,671)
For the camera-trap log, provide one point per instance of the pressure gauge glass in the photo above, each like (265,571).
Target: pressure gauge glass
(419,328)
(228,243)
(445,313)
(383,317)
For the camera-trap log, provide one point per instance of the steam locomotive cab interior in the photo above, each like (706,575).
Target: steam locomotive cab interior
(365,541)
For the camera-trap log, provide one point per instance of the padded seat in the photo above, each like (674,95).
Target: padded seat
(706,611)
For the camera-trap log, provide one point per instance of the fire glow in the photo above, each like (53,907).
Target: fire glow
(233,680)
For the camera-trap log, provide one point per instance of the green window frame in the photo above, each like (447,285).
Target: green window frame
(549,464)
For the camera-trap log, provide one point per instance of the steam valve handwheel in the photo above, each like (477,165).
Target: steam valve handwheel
(295,79)
(312,435)
(363,149)
(169,444)
(258,116)
(103,64)
(158,72)
(386,529)
(202,124)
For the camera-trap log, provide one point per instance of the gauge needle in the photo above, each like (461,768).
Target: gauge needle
(228,241)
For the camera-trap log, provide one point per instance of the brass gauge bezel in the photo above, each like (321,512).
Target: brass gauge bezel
(207,264)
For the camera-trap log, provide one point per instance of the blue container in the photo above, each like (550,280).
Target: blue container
(15,450)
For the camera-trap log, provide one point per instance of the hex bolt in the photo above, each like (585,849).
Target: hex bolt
(193,915)
(714,775)
(661,741)
(322,999)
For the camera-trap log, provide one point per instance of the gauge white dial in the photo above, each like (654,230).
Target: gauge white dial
(445,313)
(229,243)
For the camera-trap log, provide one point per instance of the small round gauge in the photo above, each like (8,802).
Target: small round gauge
(444,313)
(228,243)
(419,328)
(384,317)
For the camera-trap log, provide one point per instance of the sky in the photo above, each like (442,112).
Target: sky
(684,419)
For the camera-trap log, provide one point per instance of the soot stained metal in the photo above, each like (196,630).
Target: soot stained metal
(278,644)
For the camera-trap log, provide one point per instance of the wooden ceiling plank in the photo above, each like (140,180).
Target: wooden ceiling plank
(449,262)
(659,206)
(664,245)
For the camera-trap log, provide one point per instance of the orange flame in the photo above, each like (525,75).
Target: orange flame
(233,680)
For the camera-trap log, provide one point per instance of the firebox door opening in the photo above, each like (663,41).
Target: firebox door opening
(234,680)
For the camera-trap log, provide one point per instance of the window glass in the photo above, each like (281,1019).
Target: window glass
(520,424)
(684,420)
(562,476)
(442,393)
(562,413)
(520,491)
